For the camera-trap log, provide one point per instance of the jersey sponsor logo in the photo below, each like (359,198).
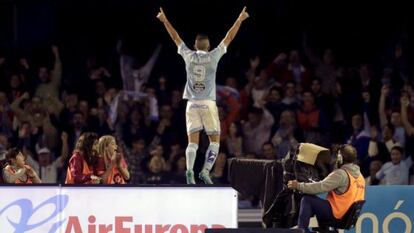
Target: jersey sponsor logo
(199,86)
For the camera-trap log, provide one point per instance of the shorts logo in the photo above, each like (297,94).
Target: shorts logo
(202,106)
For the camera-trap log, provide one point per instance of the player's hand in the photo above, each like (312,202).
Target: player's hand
(293,184)
(161,16)
(243,14)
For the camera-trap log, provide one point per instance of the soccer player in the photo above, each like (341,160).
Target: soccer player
(200,91)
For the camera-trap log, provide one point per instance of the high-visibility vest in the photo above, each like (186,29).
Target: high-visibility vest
(85,171)
(340,203)
(29,180)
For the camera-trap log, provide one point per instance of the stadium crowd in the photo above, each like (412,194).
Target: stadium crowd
(139,128)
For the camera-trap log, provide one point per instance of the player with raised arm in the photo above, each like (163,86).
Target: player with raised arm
(200,91)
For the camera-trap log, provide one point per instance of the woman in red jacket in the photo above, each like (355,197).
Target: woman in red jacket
(83,161)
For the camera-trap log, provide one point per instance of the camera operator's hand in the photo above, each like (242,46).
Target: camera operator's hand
(293,184)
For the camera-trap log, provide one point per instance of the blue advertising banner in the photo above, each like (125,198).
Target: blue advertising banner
(388,209)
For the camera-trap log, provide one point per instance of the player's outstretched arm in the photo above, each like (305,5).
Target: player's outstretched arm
(173,33)
(235,28)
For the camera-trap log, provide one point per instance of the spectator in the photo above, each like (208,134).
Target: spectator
(83,163)
(135,126)
(286,134)
(234,140)
(273,102)
(312,121)
(324,67)
(359,137)
(380,145)
(156,173)
(77,127)
(17,171)
(47,167)
(4,146)
(260,88)
(135,158)
(178,170)
(268,151)
(396,171)
(37,117)
(323,101)
(219,175)
(133,77)
(6,115)
(374,167)
(166,130)
(49,81)
(16,86)
(290,101)
(115,169)
(396,121)
(229,108)
(291,71)
(367,81)
(257,129)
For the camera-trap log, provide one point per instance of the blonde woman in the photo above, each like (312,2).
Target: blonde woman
(114,169)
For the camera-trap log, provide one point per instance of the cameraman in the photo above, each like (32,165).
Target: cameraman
(344,185)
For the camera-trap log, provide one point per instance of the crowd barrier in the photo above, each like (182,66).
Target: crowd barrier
(166,209)
(387,209)
(97,209)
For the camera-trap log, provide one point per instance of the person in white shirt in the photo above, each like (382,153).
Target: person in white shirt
(395,172)
(46,167)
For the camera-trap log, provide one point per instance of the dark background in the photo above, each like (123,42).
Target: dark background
(358,31)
